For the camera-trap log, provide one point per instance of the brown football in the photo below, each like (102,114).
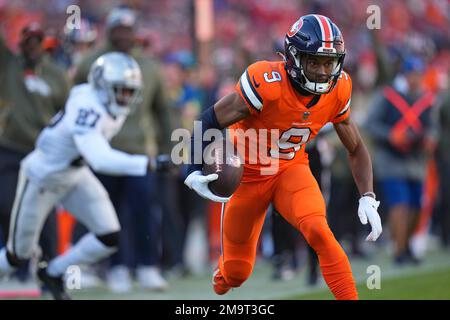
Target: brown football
(222,158)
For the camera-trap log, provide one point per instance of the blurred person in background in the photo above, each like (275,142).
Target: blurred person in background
(180,206)
(78,42)
(443,164)
(285,244)
(343,193)
(147,131)
(68,49)
(400,125)
(33,89)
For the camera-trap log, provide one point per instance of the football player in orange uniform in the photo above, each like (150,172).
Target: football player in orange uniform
(294,98)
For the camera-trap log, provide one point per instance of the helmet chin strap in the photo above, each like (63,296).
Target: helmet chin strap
(299,88)
(282,56)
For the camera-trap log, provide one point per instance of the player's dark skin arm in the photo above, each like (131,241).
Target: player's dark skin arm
(230,109)
(359,157)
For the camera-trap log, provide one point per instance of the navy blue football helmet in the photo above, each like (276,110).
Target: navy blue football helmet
(313,35)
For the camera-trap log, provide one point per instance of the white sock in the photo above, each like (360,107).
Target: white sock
(86,251)
(5,268)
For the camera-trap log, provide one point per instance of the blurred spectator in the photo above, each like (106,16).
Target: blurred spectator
(400,125)
(182,206)
(33,89)
(443,162)
(147,131)
(78,42)
(68,50)
(285,244)
(343,202)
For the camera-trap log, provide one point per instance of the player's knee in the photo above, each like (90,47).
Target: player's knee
(236,272)
(14,260)
(110,239)
(316,231)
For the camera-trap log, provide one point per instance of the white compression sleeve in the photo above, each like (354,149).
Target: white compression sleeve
(97,151)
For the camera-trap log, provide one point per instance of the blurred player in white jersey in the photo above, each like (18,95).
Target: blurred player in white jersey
(57,171)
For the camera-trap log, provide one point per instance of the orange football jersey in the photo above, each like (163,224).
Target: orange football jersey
(281,123)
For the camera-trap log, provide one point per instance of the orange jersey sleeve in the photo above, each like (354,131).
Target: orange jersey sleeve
(344,98)
(258,85)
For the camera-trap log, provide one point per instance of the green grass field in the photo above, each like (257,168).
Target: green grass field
(434,285)
(429,280)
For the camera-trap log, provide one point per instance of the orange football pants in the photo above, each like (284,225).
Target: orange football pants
(296,195)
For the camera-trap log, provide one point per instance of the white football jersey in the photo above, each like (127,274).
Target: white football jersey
(56,149)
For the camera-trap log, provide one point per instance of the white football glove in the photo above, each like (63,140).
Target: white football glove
(199,183)
(367,210)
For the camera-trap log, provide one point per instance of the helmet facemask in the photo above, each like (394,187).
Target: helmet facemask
(123,99)
(300,66)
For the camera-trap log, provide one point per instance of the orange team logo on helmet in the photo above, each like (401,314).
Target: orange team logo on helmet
(295,27)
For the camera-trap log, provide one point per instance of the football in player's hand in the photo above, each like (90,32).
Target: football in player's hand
(222,158)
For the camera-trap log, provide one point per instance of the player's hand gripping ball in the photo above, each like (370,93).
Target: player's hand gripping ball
(222,158)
